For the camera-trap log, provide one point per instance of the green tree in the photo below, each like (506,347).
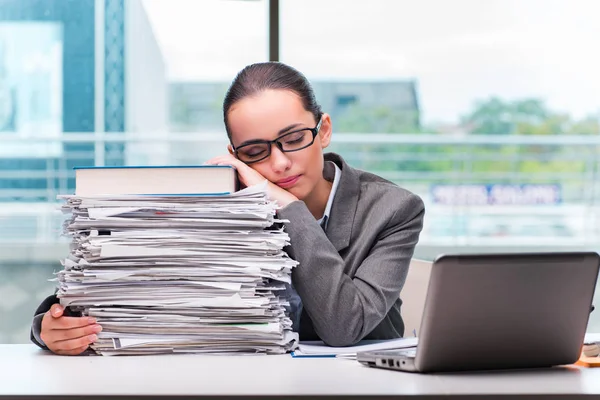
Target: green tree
(384,157)
(377,119)
(495,116)
(587,126)
(528,117)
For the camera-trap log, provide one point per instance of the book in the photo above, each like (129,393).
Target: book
(156,180)
(591,350)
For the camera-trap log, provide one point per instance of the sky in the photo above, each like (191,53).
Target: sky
(457,51)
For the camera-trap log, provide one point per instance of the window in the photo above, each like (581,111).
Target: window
(71,71)
(488,110)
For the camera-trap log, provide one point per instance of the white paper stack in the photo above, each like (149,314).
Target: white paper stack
(191,274)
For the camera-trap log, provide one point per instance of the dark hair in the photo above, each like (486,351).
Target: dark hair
(257,77)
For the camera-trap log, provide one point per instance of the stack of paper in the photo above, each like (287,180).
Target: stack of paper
(193,274)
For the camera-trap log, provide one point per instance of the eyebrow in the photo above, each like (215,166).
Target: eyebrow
(280,133)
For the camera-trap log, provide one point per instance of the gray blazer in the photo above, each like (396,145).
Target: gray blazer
(350,276)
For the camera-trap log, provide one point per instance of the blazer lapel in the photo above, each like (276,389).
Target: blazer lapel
(343,208)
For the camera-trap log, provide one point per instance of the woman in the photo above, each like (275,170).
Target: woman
(352,232)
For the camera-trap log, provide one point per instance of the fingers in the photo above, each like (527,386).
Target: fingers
(57,310)
(226,159)
(51,323)
(73,344)
(69,334)
(246,174)
(222,157)
(72,322)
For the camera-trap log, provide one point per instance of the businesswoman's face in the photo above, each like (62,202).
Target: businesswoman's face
(295,161)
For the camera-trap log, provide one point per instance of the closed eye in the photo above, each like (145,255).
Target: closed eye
(253,152)
(295,137)
(293,141)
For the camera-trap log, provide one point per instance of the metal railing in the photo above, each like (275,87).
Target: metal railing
(29,184)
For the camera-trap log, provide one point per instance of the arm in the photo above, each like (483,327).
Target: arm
(344,309)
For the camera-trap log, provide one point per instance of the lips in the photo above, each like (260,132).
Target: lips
(288,182)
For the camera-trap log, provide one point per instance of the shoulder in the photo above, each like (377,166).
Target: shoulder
(393,201)
(375,188)
(375,200)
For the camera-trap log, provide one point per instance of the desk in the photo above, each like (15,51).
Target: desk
(28,371)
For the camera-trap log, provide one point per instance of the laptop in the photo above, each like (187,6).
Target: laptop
(500,311)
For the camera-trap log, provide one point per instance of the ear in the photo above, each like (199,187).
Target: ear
(230,149)
(325,131)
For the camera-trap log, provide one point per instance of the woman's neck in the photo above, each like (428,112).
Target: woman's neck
(316,201)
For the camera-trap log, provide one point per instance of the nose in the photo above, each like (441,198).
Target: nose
(279,160)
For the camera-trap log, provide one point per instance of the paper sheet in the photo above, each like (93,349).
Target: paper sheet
(319,348)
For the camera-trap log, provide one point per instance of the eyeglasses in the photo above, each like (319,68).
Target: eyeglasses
(258,150)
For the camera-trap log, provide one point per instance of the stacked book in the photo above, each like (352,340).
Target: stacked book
(200,270)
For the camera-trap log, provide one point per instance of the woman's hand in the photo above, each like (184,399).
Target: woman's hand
(250,177)
(68,336)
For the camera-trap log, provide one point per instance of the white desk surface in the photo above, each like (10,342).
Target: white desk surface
(28,371)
